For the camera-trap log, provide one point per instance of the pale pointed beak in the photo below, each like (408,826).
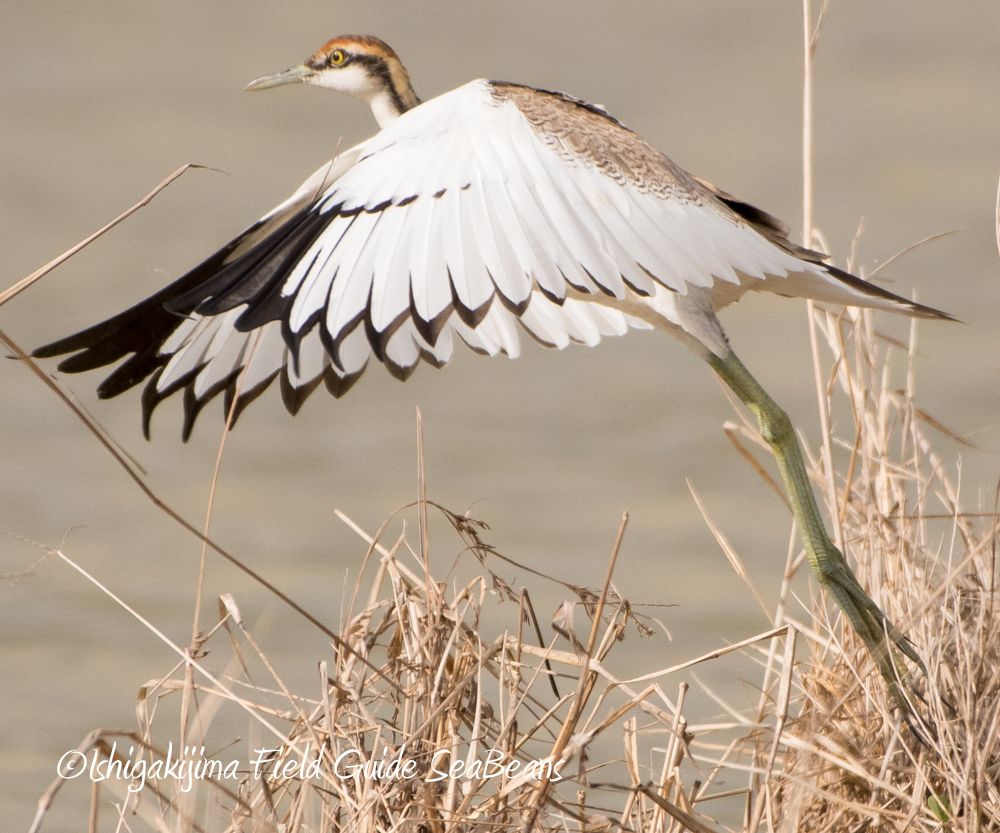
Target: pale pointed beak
(288,76)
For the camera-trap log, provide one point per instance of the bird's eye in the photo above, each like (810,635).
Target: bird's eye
(337,57)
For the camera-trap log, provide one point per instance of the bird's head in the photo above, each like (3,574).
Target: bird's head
(360,65)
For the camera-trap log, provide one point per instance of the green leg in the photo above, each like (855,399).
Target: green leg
(829,565)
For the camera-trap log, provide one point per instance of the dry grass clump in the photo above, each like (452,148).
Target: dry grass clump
(489,730)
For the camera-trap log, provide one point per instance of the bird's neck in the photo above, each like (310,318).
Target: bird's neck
(394,96)
(385,109)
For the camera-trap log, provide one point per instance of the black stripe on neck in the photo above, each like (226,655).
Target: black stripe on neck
(379,68)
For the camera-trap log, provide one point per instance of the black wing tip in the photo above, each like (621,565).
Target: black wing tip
(126,376)
(921,311)
(402,372)
(246,397)
(907,306)
(338,385)
(295,397)
(50,351)
(151,397)
(84,340)
(192,407)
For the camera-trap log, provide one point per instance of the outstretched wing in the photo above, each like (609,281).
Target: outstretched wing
(485,208)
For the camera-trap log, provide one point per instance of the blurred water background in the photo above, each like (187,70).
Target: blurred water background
(100,101)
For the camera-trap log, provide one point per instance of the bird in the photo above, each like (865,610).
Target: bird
(492,208)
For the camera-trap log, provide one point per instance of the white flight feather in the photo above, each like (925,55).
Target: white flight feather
(353,352)
(605,268)
(307,271)
(542,236)
(572,248)
(267,356)
(224,357)
(181,335)
(401,349)
(609,322)
(478,249)
(489,209)
(197,349)
(543,321)
(385,278)
(580,324)
(311,360)
(504,330)
(516,256)
(672,234)
(442,348)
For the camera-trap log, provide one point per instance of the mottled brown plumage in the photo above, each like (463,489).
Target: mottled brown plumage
(580,131)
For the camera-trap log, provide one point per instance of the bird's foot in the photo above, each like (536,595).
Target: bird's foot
(886,644)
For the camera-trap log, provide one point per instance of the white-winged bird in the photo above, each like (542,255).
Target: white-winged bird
(491,206)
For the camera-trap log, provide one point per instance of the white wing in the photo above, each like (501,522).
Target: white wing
(461,217)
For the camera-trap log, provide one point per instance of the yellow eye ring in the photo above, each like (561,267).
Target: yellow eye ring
(337,57)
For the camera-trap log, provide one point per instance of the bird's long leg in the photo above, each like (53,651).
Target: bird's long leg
(827,562)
